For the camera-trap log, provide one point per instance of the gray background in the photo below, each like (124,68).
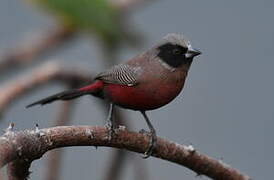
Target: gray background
(226,110)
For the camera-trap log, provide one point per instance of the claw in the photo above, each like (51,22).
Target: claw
(153,138)
(152,145)
(142,131)
(110,123)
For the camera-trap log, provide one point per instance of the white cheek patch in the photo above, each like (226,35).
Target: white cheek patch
(165,65)
(188,55)
(189,47)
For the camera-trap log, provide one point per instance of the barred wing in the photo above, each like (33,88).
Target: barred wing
(120,74)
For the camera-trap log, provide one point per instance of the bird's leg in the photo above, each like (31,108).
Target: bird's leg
(153,138)
(110,122)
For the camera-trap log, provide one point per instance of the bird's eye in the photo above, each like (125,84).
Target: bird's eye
(176,51)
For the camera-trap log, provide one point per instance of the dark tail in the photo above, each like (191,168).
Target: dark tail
(70,94)
(66,95)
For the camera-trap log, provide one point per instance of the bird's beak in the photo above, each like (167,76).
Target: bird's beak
(192,52)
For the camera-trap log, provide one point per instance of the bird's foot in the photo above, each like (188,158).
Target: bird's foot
(142,131)
(152,145)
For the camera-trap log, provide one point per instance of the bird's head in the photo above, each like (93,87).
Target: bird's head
(174,51)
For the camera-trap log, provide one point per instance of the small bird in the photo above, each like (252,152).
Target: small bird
(146,82)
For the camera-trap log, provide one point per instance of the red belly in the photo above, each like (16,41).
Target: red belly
(142,97)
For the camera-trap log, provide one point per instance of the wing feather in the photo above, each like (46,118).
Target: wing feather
(123,74)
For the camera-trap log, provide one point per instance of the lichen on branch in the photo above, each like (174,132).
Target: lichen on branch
(32,144)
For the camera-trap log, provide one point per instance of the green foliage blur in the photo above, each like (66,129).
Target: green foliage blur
(95,16)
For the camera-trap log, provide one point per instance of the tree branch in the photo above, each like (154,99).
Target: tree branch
(32,144)
(48,41)
(29,51)
(46,73)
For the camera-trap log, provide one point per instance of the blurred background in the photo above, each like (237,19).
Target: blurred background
(226,109)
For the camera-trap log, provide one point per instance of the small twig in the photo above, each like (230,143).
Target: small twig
(29,51)
(32,144)
(48,72)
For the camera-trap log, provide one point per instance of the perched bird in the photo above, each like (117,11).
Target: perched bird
(146,82)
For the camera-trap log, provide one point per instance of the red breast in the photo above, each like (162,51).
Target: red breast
(156,87)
